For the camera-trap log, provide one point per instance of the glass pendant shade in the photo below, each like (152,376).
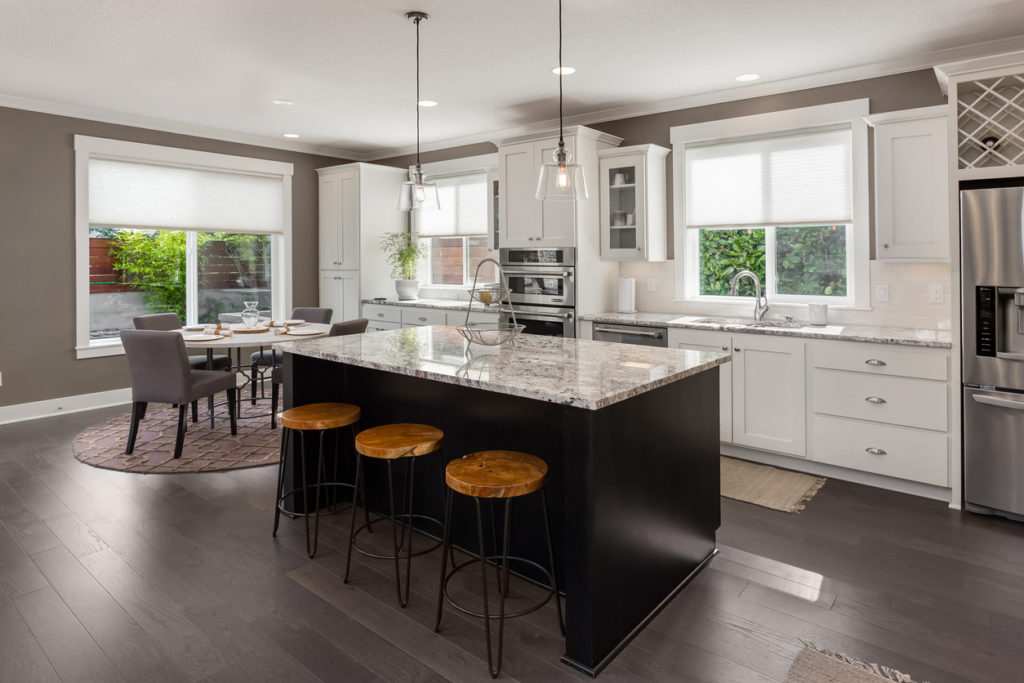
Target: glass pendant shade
(418,196)
(562,179)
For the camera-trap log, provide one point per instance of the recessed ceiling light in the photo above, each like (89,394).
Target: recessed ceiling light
(290,135)
(563,70)
(283,103)
(748,77)
(427,103)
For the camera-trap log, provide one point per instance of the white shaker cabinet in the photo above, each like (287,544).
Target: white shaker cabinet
(633,203)
(719,342)
(911,184)
(339,291)
(339,220)
(768,393)
(524,220)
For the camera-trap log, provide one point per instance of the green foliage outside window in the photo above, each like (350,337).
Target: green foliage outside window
(723,253)
(809,261)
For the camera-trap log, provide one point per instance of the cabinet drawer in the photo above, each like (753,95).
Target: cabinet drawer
(881,359)
(895,400)
(391,314)
(459,317)
(378,325)
(413,315)
(883,449)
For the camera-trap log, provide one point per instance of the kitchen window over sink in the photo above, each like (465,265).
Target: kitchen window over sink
(456,235)
(781,194)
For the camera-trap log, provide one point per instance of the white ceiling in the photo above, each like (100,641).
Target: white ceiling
(213,66)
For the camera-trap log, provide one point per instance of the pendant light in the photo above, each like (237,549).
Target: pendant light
(560,178)
(416,194)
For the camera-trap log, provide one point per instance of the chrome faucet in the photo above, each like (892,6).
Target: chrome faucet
(760,308)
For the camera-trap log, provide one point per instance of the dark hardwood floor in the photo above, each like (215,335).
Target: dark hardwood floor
(107,576)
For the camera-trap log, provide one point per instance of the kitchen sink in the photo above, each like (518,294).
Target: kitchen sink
(747,322)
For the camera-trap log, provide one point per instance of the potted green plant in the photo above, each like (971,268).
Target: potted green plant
(403,252)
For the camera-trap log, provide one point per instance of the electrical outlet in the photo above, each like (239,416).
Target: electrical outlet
(881,292)
(651,285)
(936,294)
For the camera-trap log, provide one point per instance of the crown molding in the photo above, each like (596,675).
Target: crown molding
(891,67)
(967,68)
(167,126)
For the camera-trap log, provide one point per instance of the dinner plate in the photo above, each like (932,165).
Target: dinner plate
(203,337)
(305,333)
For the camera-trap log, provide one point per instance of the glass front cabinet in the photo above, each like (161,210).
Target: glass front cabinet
(633,199)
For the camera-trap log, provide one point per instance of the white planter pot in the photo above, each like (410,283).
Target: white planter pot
(407,289)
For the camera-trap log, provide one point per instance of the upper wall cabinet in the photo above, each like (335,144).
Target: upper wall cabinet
(525,221)
(339,220)
(633,213)
(911,184)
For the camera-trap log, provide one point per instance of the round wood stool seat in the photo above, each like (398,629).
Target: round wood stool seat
(403,440)
(496,474)
(320,416)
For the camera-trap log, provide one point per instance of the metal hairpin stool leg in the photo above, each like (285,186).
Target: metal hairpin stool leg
(392,442)
(502,475)
(297,422)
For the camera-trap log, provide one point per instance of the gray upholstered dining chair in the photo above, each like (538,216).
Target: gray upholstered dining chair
(269,358)
(161,373)
(170,321)
(357,326)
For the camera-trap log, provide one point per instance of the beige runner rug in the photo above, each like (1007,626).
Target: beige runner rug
(815,664)
(767,486)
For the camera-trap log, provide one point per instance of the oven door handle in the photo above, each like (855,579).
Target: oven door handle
(536,273)
(543,316)
(998,402)
(636,333)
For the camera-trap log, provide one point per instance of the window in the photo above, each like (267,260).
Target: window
(456,235)
(170,230)
(787,202)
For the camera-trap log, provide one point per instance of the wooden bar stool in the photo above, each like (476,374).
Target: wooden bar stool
(496,475)
(314,417)
(389,443)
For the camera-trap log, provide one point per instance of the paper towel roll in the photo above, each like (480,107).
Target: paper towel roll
(627,295)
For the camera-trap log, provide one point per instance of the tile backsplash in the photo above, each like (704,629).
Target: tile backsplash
(908,304)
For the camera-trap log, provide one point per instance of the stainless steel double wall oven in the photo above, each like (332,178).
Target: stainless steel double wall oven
(542,288)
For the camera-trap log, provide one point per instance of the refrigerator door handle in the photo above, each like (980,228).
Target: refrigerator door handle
(998,402)
(1010,355)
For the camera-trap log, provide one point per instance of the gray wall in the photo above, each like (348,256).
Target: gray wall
(888,93)
(37,248)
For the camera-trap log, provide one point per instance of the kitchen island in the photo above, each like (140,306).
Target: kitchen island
(630,435)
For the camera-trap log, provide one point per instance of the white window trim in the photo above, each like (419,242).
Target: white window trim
(87,147)
(795,120)
(482,163)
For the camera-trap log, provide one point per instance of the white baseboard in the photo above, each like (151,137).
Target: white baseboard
(21,412)
(820,469)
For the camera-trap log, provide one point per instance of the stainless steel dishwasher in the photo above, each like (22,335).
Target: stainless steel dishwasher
(641,335)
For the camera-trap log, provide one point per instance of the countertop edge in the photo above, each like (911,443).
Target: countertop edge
(805,332)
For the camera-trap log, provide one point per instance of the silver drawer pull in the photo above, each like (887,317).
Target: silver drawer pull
(737,349)
(875,362)
(380,315)
(423,318)
(725,348)
(875,451)
(877,400)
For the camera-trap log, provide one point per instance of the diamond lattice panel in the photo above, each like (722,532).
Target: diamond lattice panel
(990,122)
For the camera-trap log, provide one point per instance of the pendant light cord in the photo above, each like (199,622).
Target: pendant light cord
(418,92)
(561,142)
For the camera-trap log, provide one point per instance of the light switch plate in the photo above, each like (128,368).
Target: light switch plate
(650,284)
(936,294)
(881,292)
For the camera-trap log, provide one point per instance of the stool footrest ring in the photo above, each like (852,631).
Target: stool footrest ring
(497,558)
(400,519)
(312,487)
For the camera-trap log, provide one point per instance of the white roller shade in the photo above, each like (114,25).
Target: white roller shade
(129,194)
(796,179)
(463,210)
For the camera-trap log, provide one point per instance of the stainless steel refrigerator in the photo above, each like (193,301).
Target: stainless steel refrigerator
(992,271)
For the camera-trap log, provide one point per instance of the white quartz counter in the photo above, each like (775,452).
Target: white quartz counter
(572,372)
(860,333)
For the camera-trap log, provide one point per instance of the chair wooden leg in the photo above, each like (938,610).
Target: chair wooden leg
(180,441)
(232,400)
(138,410)
(274,396)
(195,412)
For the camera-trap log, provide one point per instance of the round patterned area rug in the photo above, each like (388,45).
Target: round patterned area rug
(205,450)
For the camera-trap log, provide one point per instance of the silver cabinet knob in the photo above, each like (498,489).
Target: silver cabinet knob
(725,348)
(875,451)
(877,400)
(380,315)
(422,319)
(875,362)
(737,349)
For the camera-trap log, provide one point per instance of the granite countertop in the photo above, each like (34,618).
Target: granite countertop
(908,336)
(572,372)
(446,304)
